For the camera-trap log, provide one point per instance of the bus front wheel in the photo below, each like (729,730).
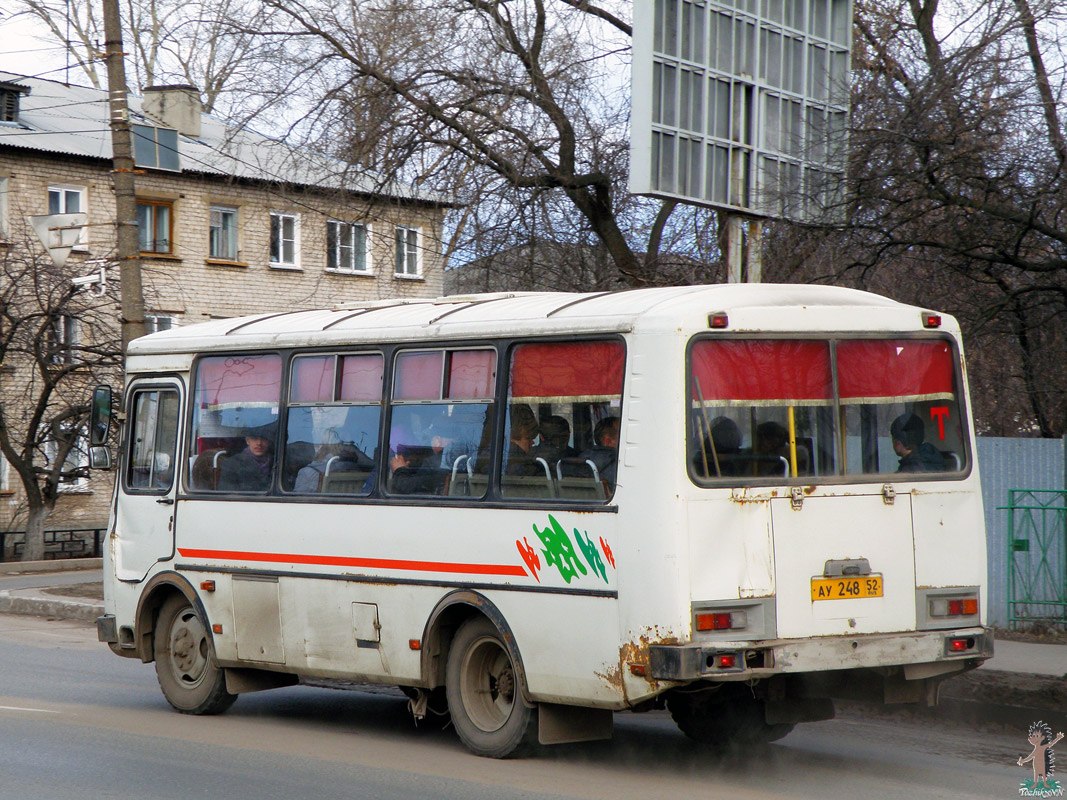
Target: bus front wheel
(186,670)
(483,693)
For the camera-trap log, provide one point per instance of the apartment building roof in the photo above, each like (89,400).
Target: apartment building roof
(60,118)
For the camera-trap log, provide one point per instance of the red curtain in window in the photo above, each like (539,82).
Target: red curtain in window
(418,376)
(239,381)
(472,375)
(567,372)
(761,372)
(312,379)
(872,371)
(361,378)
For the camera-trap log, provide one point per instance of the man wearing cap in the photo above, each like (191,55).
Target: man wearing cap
(916,455)
(251,469)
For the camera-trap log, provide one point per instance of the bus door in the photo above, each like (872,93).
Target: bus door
(843,564)
(144,519)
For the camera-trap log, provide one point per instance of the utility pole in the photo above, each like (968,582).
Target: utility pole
(122,176)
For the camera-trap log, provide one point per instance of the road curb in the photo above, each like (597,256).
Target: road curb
(58,565)
(31,601)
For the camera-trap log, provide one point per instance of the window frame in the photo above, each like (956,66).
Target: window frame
(80,456)
(156,319)
(169,388)
(154,204)
(141,143)
(412,252)
(280,262)
(334,252)
(234,240)
(62,189)
(5,224)
(839,477)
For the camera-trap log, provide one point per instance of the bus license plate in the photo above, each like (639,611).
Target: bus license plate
(846,588)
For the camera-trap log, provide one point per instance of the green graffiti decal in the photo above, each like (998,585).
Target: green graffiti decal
(592,555)
(560,553)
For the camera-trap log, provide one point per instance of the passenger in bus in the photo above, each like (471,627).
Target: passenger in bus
(332,454)
(916,455)
(251,469)
(771,446)
(524,429)
(721,448)
(605,452)
(555,441)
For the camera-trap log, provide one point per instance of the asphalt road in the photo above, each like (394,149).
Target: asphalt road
(76,720)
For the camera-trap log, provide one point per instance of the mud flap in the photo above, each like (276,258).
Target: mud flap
(242,681)
(559,724)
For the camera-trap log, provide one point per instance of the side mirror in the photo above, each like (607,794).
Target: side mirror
(99,457)
(100,416)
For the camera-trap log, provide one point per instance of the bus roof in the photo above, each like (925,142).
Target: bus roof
(750,307)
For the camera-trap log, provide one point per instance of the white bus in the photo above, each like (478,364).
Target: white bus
(737,502)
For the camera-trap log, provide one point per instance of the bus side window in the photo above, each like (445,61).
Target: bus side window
(233,442)
(441,422)
(562,429)
(333,423)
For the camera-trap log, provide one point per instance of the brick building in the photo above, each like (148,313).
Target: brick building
(231,223)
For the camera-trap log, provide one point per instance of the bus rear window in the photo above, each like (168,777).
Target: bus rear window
(776,409)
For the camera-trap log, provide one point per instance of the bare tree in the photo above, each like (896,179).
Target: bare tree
(519,110)
(958,191)
(56,342)
(171,41)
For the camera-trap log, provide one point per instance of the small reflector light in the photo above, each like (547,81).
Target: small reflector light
(207,586)
(958,645)
(954,607)
(720,621)
(718,320)
(216,628)
(726,662)
(638,670)
(414,644)
(931,320)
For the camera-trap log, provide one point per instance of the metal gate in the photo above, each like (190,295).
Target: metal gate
(1037,557)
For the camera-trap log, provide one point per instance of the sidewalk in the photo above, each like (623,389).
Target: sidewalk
(23,588)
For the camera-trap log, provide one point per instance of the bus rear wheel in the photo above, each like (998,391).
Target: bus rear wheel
(483,693)
(185,666)
(728,716)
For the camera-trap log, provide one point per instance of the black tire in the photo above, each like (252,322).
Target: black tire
(724,717)
(484,695)
(185,662)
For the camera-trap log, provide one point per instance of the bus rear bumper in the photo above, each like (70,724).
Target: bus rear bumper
(921,654)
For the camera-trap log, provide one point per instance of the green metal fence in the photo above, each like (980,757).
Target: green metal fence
(1037,557)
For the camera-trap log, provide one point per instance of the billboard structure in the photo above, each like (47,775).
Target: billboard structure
(741,104)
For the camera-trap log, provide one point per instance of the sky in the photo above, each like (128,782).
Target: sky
(23,52)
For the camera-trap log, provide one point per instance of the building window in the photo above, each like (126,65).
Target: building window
(63,339)
(284,229)
(156,147)
(77,459)
(223,233)
(155,223)
(9,106)
(64,199)
(5,472)
(154,323)
(407,251)
(346,247)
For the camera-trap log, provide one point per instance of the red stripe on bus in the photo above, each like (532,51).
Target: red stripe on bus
(344,561)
